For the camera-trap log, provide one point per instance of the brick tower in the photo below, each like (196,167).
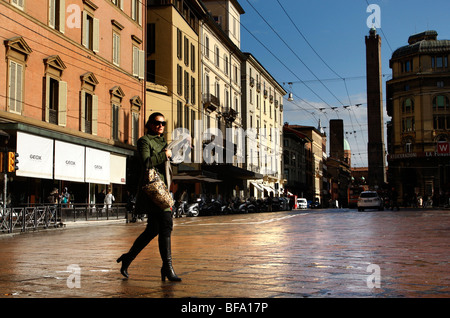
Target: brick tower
(376,149)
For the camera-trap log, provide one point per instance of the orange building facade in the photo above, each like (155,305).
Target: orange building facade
(72,94)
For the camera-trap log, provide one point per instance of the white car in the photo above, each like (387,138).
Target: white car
(370,200)
(302,203)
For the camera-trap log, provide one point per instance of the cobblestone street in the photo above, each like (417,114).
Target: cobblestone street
(310,253)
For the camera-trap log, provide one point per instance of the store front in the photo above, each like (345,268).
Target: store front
(49,161)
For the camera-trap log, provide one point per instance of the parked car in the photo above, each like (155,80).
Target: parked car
(370,200)
(302,203)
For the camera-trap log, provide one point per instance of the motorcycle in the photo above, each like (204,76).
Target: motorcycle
(213,207)
(234,206)
(185,209)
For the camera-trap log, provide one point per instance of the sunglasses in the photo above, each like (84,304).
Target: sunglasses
(157,123)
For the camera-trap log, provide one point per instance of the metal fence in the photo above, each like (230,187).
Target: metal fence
(45,216)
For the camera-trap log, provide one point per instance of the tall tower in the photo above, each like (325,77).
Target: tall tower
(376,149)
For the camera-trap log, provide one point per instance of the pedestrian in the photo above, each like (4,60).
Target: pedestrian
(65,198)
(53,196)
(109,199)
(153,154)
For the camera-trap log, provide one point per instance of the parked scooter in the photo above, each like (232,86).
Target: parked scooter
(185,209)
(213,207)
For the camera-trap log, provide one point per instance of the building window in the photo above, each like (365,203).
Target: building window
(116,49)
(56,14)
(134,127)
(408,124)
(90,35)
(179,44)
(115,121)
(408,106)
(179,123)
(441,122)
(193,90)
(88,112)
(439,62)
(136,107)
(15,96)
(440,102)
(407,66)
(89,104)
(138,62)
(17,53)
(179,80)
(193,57)
(136,11)
(18,3)
(207,46)
(186,87)
(217,56)
(225,62)
(117,95)
(186,51)
(55,92)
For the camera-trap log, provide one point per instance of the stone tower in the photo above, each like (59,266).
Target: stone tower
(376,148)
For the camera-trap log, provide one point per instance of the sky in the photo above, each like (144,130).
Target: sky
(319,47)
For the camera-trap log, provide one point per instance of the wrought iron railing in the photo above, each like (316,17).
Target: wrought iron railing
(27,218)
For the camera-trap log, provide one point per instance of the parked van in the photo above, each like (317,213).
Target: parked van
(302,203)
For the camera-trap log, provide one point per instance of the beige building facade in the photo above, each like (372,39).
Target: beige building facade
(419,131)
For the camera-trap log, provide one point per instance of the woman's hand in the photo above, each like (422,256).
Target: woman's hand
(168,153)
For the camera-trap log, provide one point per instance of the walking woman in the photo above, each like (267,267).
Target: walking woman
(153,153)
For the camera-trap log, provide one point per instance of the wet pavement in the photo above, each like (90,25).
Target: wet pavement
(296,254)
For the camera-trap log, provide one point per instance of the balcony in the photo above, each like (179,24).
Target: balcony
(258,87)
(210,102)
(271,99)
(229,114)
(252,82)
(266,93)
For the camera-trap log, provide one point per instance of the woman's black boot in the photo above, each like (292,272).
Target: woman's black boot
(126,260)
(166,256)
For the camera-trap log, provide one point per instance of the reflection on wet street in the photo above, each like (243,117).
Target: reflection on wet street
(308,253)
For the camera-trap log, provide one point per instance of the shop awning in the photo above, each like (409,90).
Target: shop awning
(69,161)
(118,168)
(257,186)
(97,166)
(35,156)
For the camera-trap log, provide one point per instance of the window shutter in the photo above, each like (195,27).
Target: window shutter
(62,107)
(12,86)
(51,13)
(135,61)
(141,64)
(84,38)
(19,88)
(94,114)
(139,13)
(82,114)
(96,35)
(47,98)
(62,16)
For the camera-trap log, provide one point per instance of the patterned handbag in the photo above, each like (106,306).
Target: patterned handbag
(157,190)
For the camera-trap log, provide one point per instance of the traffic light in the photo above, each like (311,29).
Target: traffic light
(13,161)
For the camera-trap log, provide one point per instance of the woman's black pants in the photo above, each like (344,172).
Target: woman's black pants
(159,223)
